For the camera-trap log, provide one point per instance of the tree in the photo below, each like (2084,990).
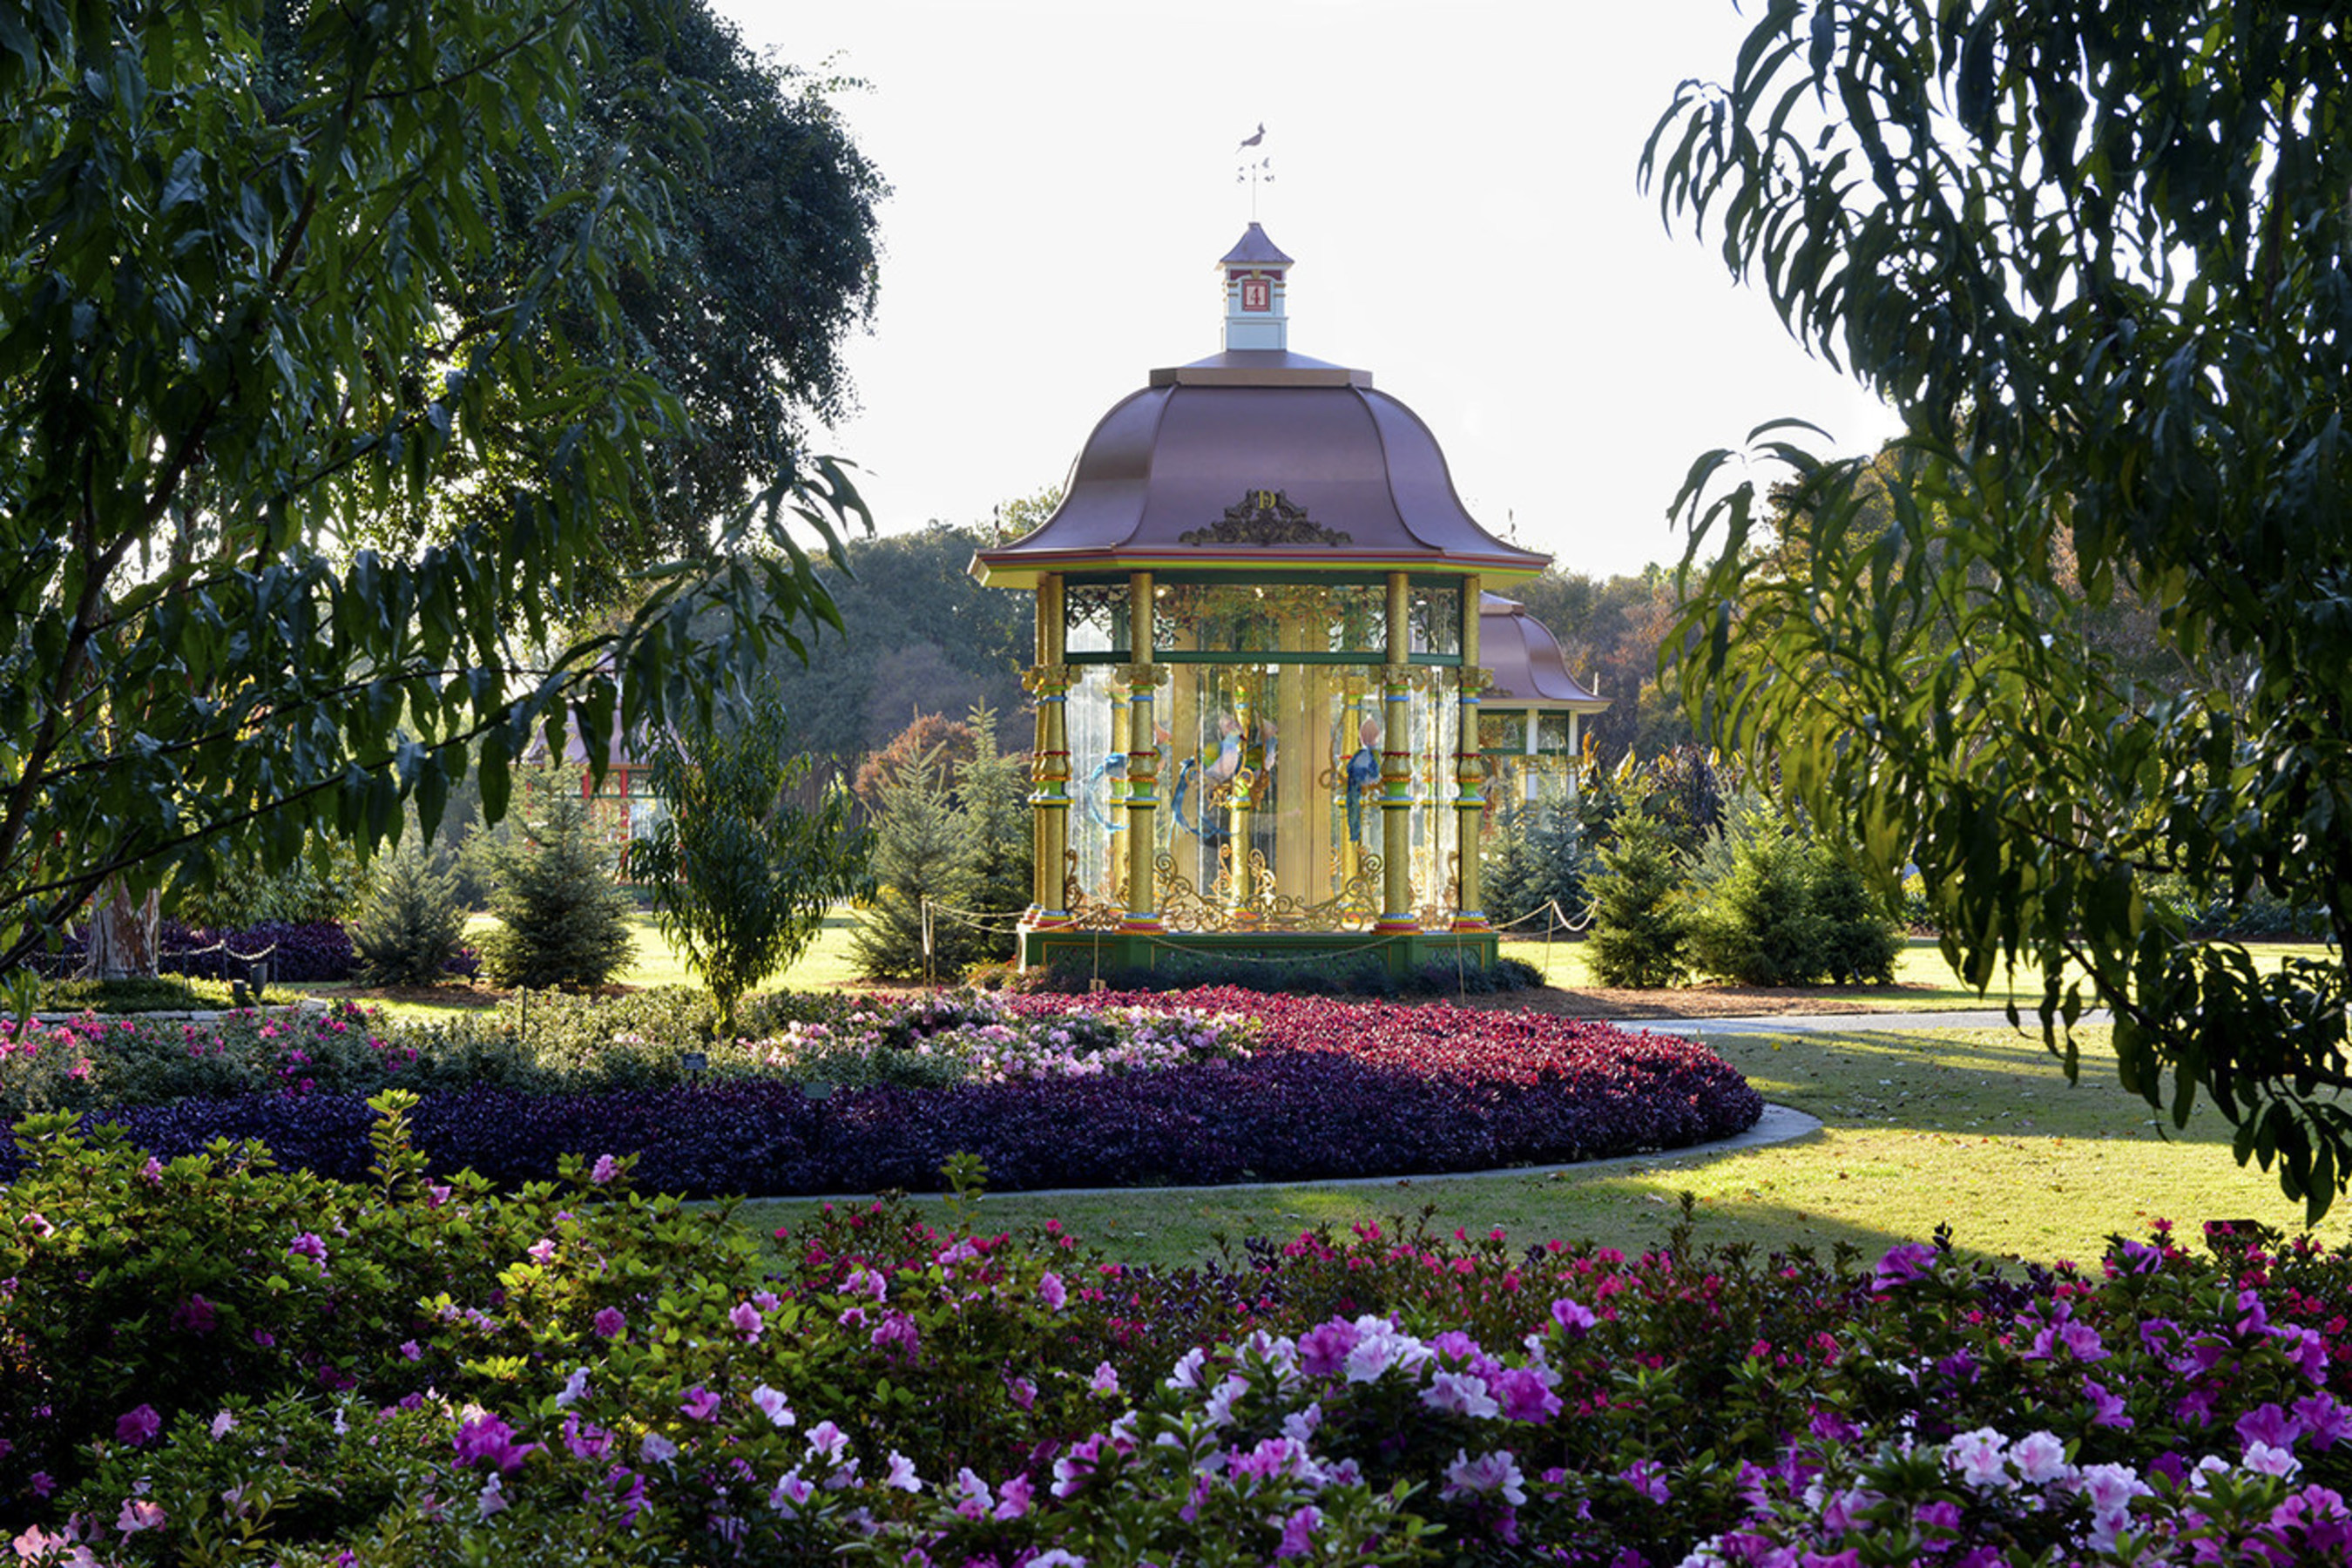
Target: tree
(558,909)
(253,301)
(2099,257)
(1638,936)
(919,855)
(993,791)
(411,925)
(741,877)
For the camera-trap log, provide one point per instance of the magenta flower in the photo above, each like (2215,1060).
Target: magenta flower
(308,1245)
(138,1426)
(1051,1292)
(607,1170)
(1013,1500)
(195,1316)
(701,1404)
(609,1323)
(485,1439)
(2268,1424)
(1903,1265)
(1569,1315)
(1648,1478)
(1323,1350)
(747,1321)
(1298,1532)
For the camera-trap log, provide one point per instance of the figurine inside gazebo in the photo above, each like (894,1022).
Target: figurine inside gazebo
(1257,686)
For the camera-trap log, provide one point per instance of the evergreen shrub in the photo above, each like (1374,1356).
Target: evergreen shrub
(559,910)
(1639,936)
(411,926)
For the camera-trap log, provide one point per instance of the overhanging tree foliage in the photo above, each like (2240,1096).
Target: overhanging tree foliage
(2097,256)
(253,298)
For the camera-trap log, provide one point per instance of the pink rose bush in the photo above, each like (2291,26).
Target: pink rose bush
(661,1385)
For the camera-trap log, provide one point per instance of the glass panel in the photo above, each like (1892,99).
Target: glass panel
(1551,732)
(1506,730)
(1435,617)
(1270,618)
(1094,617)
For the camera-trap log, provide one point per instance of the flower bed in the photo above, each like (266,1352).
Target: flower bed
(425,1373)
(1132,1090)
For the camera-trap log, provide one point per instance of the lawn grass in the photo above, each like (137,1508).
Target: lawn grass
(1924,982)
(1975,1128)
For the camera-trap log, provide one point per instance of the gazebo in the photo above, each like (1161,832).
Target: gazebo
(1531,722)
(1257,686)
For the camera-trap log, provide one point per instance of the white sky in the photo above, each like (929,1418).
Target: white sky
(1457,182)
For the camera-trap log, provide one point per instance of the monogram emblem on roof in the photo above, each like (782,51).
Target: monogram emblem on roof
(1266,517)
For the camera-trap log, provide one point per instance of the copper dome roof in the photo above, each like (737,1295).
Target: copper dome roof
(1524,658)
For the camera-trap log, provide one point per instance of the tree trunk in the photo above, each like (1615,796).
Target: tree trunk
(119,936)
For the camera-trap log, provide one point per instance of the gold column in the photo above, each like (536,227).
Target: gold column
(1468,771)
(1049,682)
(1142,759)
(1396,766)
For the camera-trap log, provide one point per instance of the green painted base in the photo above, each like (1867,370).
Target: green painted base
(1110,951)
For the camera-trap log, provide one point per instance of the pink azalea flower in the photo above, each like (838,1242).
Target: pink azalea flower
(609,1323)
(747,1321)
(826,1441)
(700,1404)
(2040,1459)
(608,1169)
(1105,1380)
(1497,1472)
(136,1426)
(139,1514)
(770,1403)
(1050,1291)
(792,1494)
(2263,1459)
(1013,1500)
(902,1474)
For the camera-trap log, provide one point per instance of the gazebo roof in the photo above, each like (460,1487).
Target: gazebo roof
(1529,669)
(1258,460)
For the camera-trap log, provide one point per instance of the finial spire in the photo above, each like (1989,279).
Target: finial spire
(1256,167)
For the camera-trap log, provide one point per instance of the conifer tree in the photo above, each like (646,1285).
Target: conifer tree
(994,815)
(560,909)
(411,923)
(919,853)
(1638,938)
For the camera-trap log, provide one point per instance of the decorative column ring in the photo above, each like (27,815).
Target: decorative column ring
(1142,794)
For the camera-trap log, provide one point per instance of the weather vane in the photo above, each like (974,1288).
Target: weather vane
(1258,170)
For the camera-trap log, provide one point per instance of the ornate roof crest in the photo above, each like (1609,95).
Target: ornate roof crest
(1266,517)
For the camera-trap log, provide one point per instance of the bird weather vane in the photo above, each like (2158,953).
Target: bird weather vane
(1258,170)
